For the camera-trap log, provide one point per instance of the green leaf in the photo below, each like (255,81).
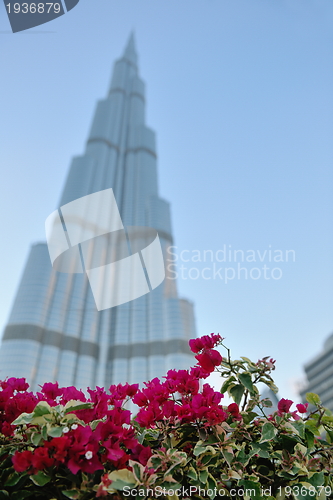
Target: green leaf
(20,495)
(203,475)
(299,425)
(327,419)
(192,474)
(268,432)
(309,436)
(249,416)
(13,479)
(24,418)
(237,392)
(317,479)
(304,491)
(137,471)
(246,381)
(266,402)
(329,436)
(263,450)
(4,494)
(73,405)
(199,449)
(251,488)
(227,383)
(227,456)
(313,398)
(42,408)
(242,457)
(206,459)
(36,438)
(211,483)
(270,384)
(248,361)
(121,478)
(311,425)
(40,479)
(71,493)
(55,431)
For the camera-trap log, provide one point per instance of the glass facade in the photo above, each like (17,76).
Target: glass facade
(319,373)
(55,331)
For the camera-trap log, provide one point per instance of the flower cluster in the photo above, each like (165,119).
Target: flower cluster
(83,446)
(208,358)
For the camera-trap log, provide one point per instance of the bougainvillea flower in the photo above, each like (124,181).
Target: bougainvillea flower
(198,372)
(302,408)
(233,408)
(209,359)
(284,405)
(196,345)
(22,461)
(216,416)
(17,384)
(23,402)
(51,390)
(71,393)
(185,413)
(6,429)
(41,459)
(141,454)
(58,447)
(103,486)
(205,342)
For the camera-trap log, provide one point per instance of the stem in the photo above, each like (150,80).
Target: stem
(246,393)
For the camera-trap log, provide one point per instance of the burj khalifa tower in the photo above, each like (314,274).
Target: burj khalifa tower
(57,329)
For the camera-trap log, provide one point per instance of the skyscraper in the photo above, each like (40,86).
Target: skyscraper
(55,331)
(319,372)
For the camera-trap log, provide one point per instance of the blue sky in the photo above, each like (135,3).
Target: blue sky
(240,95)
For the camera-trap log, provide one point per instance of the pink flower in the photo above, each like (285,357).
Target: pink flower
(198,372)
(59,447)
(196,345)
(302,408)
(102,488)
(69,393)
(145,418)
(21,402)
(51,391)
(140,399)
(141,454)
(17,384)
(185,413)
(84,441)
(284,405)
(6,429)
(205,342)
(120,392)
(22,460)
(209,359)
(233,408)
(41,459)
(215,416)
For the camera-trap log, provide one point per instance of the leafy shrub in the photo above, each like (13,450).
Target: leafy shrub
(182,443)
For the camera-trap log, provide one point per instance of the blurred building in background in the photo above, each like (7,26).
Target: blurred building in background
(55,331)
(319,372)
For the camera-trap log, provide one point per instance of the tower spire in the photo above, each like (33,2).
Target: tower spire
(130,50)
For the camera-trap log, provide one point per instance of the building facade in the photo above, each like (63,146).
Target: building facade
(319,372)
(55,331)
